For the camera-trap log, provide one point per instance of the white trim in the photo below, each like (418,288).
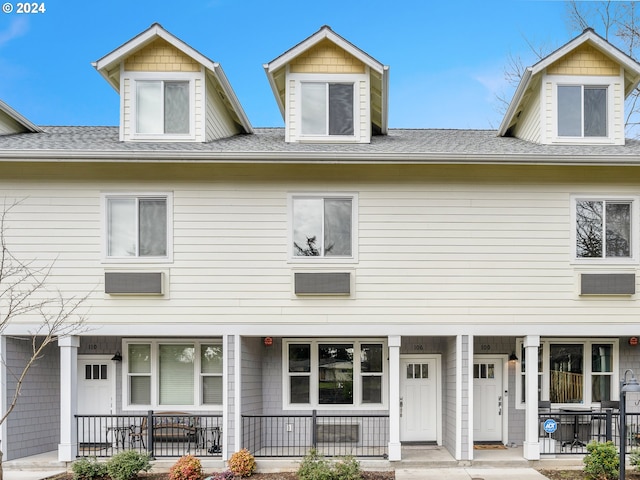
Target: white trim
(437,357)
(586,343)
(168,258)
(353,79)
(606,261)
(503,362)
(582,81)
(326,259)
(154,374)
(313,375)
(112,380)
(226,379)
(237,391)
(163,77)
(4,439)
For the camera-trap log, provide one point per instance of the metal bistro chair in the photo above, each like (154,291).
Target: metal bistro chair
(602,420)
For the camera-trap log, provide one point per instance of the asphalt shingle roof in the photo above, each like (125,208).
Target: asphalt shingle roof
(267,144)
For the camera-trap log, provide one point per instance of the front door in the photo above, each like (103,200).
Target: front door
(488,399)
(419,408)
(96,394)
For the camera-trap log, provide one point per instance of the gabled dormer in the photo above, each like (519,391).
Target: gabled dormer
(330,91)
(13,122)
(170,92)
(574,96)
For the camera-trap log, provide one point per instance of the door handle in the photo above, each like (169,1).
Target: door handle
(401,402)
(500,405)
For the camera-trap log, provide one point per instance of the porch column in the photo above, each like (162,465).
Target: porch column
(531,446)
(395,450)
(68,397)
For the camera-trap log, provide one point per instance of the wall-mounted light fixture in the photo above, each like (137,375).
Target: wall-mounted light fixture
(117,357)
(513,357)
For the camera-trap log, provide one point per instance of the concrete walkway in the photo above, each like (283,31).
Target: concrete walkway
(468,473)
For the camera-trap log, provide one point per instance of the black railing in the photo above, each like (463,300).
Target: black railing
(330,435)
(173,434)
(575,429)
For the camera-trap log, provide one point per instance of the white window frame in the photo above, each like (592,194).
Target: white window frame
(584,81)
(155,375)
(162,77)
(354,79)
(633,251)
(586,343)
(106,258)
(313,375)
(353,258)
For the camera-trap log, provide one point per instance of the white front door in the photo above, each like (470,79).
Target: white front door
(488,399)
(419,406)
(96,394)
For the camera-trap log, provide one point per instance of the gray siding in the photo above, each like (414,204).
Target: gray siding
(252,375)
(34,425)
(449,366)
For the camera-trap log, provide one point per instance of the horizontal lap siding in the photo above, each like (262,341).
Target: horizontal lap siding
(439,245)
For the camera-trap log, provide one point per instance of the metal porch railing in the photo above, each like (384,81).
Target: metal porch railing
(172,434)
(331,435)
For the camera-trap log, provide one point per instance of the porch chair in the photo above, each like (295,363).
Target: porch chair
(602,421)
(138,433)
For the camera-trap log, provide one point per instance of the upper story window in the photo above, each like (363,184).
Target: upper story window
(323,226)
(138,227)
(604,228)
(327,108)
(582,111)
(162,108)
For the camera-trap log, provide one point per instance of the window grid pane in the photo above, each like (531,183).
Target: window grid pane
(340,109)
(595,112)
(314,108)
(149,107)
(589,226)
(121,225)
(176,107)
(569,111)
(153,227)
(335,374)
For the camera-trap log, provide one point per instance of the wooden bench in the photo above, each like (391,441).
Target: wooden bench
(167,427)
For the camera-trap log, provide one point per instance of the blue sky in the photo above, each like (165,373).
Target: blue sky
(446,58)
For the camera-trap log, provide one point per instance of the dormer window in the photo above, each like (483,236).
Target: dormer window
(582,111)
(327,108)
(162,107)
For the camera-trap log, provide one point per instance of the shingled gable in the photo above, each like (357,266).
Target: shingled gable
(293,60)
(13,122)
(219,98)
(526,105)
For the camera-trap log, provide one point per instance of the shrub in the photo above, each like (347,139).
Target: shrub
(602,461)
(315,467)
(347,469)
(187,467)
(126,465)
(88,469)
(634,458)
(242,463)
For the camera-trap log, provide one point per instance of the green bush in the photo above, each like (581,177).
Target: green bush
(347,468)
(602,461)
(634,458)
(88,469)
(315,467)
(187,467)
(126,465)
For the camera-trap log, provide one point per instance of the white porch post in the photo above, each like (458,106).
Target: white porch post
(68,397)
(531,446)
(395,450)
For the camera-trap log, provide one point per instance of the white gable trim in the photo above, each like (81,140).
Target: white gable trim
(11,113)
(325,33)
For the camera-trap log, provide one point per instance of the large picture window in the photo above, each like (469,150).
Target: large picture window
(168,373)
(323,226)
(573,371)
(138,226)
(334,373)
(603,228)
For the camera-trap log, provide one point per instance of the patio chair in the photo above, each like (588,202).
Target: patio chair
(138,433)
(602,422)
